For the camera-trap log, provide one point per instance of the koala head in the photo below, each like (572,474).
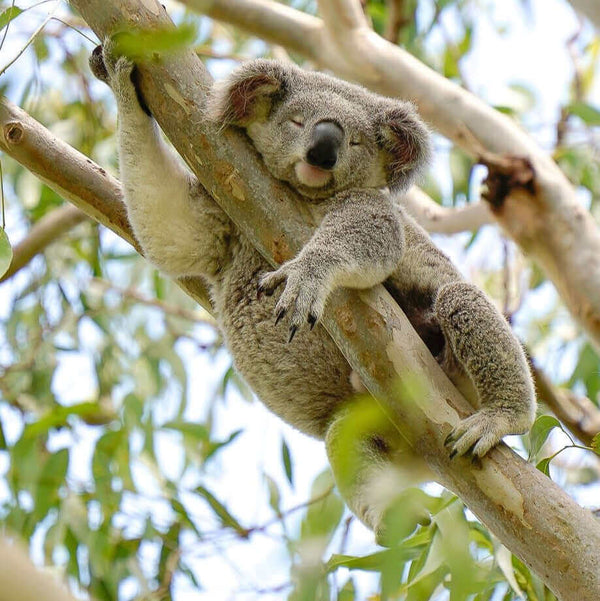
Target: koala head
(320,134)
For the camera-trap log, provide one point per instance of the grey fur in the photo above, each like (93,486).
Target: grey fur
(363,239)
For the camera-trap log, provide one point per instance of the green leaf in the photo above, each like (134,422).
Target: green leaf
(544,466)
(222,512)
(274,495)
(540,431)
(374,562)
(6,253)
(7,15)
(323,515)
(287,462)
(586,112)
(347,592)
(595,444)
(144,44)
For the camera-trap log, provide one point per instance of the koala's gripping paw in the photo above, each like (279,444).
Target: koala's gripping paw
(478,433)
(117,71)
(303,298)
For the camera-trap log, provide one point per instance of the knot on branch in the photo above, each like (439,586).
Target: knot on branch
(14,132)
(505,173)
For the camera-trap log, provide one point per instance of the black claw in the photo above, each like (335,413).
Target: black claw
(449,439)
(453,454)
(293,330)
(280,315)
(312,320)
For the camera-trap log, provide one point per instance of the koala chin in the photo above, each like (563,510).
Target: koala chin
(344,149)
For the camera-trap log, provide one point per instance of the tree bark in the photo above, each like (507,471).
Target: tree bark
(550,225)
(588,8)
(530,514)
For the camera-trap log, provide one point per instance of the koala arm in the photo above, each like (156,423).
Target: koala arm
(358,244)
(180,228)
(480,338)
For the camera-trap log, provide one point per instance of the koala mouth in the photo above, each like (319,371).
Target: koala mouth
(311,176)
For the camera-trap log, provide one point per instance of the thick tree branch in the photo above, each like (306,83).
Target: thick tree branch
(21,581)
(528,512)
(549,224)
(579,415)
(75,177)
(444,220)
(588,8)
(44,232)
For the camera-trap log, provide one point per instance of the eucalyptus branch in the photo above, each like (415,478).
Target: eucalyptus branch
(43,233)
(444,220)
(588,8)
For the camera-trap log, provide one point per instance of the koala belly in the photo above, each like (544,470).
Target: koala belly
(305,381)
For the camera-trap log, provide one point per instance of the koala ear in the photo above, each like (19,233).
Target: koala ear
(407,140)
(248,93)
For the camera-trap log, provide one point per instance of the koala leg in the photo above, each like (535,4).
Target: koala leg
(180,228)
(481,340)
(374,472)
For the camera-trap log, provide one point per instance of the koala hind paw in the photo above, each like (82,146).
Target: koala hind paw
(478,433)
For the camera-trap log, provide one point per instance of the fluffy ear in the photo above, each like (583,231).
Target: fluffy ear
(407,140)
(248,93)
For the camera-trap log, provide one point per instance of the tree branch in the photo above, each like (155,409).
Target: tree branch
(75,177)
(549,224)
(526,510)
(43,233)
(588,8)
(579,415)
(22,581)
(444,220)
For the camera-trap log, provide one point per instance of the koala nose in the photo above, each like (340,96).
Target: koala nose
(325,142)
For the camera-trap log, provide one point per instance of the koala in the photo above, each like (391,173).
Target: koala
(345,150)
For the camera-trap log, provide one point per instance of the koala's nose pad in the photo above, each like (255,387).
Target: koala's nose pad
(325,143)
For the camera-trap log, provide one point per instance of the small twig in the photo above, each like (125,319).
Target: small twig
(132,294)
(396,20)
(43,233)
(30,40)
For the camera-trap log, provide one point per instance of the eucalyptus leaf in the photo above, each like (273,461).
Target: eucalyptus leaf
(540,431)
(6,253)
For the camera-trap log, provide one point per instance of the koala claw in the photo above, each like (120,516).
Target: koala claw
(477,434)
(303,296)
(280,316)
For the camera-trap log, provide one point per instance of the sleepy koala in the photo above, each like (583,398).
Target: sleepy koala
(342,148)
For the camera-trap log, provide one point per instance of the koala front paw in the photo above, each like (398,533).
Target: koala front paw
(119,72)
(480,432)
(303,298)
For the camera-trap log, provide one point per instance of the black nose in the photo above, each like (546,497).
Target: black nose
(325,142)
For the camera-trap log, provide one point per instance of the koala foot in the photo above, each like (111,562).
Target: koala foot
(303,298)
(478,433)
(119,72)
